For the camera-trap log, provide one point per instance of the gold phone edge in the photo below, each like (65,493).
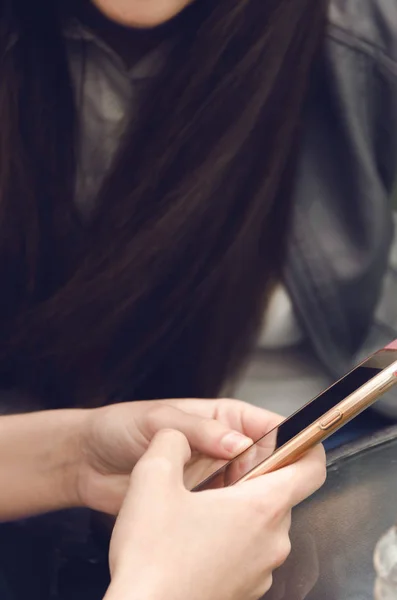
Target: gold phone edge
(350,407)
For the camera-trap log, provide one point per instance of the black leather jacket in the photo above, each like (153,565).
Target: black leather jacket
(343,229)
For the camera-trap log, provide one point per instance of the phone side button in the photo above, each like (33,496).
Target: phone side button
(331,419)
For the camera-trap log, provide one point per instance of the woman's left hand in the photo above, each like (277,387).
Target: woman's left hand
(115,437)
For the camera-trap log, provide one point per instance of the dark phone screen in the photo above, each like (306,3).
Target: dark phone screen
(232,471)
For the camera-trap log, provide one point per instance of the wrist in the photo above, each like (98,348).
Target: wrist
(39,457)
(58,454)
(69,429)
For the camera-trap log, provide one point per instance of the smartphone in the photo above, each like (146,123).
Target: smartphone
(313,423)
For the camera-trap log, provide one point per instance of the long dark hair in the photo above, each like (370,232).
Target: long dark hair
(162,293)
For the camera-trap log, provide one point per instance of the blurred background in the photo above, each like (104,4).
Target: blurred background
(282,379)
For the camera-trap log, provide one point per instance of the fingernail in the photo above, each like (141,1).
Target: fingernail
(236,442)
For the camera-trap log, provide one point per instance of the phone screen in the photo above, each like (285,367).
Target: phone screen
(232,471)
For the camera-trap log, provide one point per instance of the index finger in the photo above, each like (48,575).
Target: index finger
(252,421)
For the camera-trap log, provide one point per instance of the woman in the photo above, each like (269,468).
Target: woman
(222,543)
(148,157)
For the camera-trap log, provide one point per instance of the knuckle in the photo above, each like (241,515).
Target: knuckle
(283,551)
(266,584)
(268,511)
(322,476)
(224,404)
(320,454)
(316,468)
(173,437)
(156,416)
(320,472)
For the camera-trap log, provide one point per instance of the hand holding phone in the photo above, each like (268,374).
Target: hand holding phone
(225,544)
(313,423)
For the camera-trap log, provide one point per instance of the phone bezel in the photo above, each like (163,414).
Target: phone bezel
(315,433)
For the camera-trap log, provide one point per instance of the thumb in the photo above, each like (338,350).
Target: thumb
(163,462)
(154,480)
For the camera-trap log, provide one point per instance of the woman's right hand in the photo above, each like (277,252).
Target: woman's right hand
(220,544)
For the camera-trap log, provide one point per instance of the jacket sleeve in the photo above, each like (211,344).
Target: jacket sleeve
(369,29)
(376,29)
(340,272)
